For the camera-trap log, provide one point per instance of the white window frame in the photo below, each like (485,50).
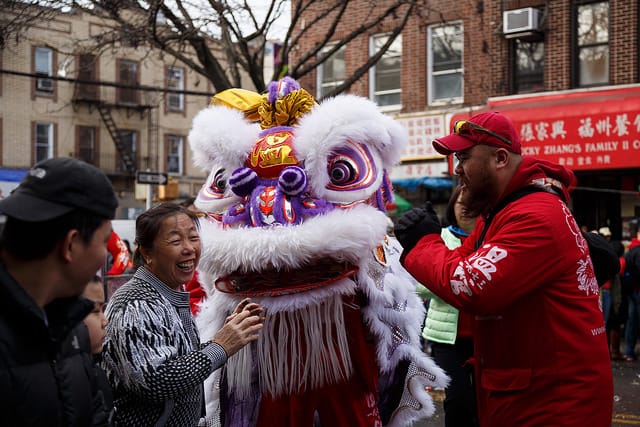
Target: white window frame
(47,129)
(175,101)
(89,144)
(603,46)
(431,74)
(320,74)
(43,54)
(179,155)
(374,94)
(521,77)
(128,95)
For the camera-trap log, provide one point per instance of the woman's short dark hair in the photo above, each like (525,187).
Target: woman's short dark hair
(29,240)
(450,212)
(148,226)
(187,202)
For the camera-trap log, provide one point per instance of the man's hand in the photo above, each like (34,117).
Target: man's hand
(415,224)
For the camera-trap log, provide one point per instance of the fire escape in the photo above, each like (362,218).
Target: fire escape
(125,155)
(110,101)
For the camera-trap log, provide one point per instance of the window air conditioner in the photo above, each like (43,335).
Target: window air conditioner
(44,85)
(520,20)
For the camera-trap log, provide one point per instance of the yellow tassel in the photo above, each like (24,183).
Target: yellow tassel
(240,99)
(284,112)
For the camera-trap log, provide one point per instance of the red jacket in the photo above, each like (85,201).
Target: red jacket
(541,349)
(196,293)
(120,253)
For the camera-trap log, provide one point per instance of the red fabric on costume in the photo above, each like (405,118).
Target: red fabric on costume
(350,403)
(196,293)
(121,257)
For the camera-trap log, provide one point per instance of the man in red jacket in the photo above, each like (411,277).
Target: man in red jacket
(527,277)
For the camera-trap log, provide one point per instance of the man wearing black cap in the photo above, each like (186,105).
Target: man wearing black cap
(54,240)
(525,273)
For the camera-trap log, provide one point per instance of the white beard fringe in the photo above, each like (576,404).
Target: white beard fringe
(290,333)
(298,349)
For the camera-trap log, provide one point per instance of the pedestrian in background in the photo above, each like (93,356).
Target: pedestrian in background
(612,298)
(153,356)
(55,239)
(450,331)
(631,291)
(96,323)
(526,275)
(120,256)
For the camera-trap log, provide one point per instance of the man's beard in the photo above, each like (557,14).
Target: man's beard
(478,196)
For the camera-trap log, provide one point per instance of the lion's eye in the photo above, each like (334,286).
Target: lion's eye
(219,182)
(351,168)
(343,171)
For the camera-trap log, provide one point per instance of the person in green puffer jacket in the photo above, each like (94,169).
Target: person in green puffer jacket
(449,332)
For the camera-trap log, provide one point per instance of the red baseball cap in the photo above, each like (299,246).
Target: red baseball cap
(490,128)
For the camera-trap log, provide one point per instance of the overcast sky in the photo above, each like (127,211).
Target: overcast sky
(280,28)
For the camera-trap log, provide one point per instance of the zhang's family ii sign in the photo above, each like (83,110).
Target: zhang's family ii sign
(592,129)
(598,141)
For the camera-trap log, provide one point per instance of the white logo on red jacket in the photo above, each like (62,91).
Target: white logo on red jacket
(584,270)
(477,270)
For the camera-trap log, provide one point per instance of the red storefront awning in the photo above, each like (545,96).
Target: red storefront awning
(583,130)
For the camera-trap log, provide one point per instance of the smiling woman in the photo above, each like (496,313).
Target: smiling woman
(169,243)
(153,356)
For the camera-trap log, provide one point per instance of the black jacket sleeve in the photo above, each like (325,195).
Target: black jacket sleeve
(606,263)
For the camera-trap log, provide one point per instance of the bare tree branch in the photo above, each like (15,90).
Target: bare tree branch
(372,60)
(17,16)
(222,40)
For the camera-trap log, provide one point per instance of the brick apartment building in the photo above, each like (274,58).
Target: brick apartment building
(566,72)
(127,122)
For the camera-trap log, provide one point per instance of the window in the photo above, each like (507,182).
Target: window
(175,80)
(445,44)
(331,72)
(129,139)
(43,67)
(528,66)
(592,44)
(87,71)
(43,144)
(87,144)
(128,76)
(385,86)
(174,150)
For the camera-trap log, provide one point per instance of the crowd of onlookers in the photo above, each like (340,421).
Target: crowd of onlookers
(621,298)
(58,339)
(518,315)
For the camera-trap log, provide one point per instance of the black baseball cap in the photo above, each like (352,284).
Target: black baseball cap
(54,187)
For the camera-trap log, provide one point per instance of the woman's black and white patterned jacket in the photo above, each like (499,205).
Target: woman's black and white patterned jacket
(153,357)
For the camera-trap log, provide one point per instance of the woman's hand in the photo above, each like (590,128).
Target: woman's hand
(241,327)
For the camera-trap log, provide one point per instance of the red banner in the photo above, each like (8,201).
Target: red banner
(583,130)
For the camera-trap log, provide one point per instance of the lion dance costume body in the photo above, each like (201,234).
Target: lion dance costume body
(295,204)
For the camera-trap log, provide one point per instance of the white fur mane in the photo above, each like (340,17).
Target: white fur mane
(343,235)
